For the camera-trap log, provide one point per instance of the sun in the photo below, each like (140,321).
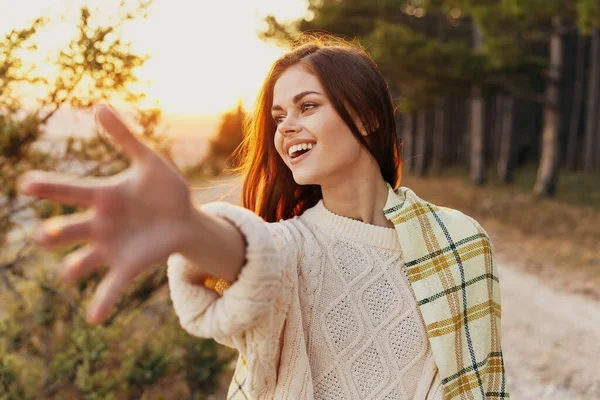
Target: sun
(207,57)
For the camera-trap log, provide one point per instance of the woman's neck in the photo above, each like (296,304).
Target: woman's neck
(362,199)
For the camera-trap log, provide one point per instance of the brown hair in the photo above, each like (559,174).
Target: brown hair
(351,81)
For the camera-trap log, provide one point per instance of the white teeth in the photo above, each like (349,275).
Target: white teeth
(297,147)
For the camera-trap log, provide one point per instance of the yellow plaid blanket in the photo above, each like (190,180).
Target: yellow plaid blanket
(450,264)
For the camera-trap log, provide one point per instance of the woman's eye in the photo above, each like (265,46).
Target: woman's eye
(308,106)
(303,108)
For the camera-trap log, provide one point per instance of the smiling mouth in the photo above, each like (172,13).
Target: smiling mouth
(300,154)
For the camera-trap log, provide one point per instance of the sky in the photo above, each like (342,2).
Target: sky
(205,55)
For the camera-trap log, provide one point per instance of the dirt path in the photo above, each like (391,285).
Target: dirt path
(551,339)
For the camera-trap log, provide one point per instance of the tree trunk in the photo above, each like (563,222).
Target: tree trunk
(547,175)
(464,152)
(592,106)
(437,158)
(506,155)
(497,130)
(477,116)
(597,153)
(571,161)
(408,141)
(421,143)
(477,138)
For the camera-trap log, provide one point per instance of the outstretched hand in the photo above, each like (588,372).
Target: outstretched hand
(134,220)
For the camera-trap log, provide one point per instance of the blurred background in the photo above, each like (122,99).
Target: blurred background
(499,113)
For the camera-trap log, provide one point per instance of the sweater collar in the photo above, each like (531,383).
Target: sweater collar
(338,225)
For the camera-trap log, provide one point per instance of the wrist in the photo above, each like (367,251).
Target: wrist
(191,232)
(212,245)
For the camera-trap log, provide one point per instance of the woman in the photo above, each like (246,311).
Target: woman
(332,281)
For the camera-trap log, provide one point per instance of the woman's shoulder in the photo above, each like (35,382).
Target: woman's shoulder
(444,218)
(291,230)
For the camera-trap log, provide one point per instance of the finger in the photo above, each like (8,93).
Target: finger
(65,229)
(106,296)
(58,187)
(116,128)
(81,263)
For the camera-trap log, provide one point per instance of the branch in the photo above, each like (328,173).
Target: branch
(18,258)
(61,102)
(15,294)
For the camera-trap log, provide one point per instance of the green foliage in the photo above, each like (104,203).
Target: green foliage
(46,348)
(11,388)
(129,357)
(588,13)
(204,360)
(148,363)
(430,69)
(347,18)
(425,47)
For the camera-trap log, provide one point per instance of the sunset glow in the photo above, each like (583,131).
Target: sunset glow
(205,55)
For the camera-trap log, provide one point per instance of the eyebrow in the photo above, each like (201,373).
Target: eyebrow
(296,99)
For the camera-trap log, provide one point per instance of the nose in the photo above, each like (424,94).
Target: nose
(289,126)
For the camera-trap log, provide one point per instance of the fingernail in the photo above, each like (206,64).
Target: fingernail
(92,313)
(91,317)
(69,265)
(101,105)
(25,181)
(52,228)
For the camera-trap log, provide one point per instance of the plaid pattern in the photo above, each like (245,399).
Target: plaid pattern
(450,264)
(236,387)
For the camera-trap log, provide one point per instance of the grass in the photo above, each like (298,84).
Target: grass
(573,188)
(557,238)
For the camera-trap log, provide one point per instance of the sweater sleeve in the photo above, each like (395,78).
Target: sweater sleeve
(250,315)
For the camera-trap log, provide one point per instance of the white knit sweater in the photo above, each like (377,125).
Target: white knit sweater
(322,309)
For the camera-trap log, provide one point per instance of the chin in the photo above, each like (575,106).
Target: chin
(305,179)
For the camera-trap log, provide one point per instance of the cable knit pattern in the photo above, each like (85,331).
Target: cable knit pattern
(322,309)
(251,315)
(362,306)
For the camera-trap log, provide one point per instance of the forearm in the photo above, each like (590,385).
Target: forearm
(214,246)
(259,295)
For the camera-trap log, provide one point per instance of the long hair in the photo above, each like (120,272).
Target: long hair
(351,81)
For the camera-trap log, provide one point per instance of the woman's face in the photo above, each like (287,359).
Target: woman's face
(303,112)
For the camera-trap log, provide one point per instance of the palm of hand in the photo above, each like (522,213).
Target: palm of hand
(134,221)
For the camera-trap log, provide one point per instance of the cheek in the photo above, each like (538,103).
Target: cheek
(347,147)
